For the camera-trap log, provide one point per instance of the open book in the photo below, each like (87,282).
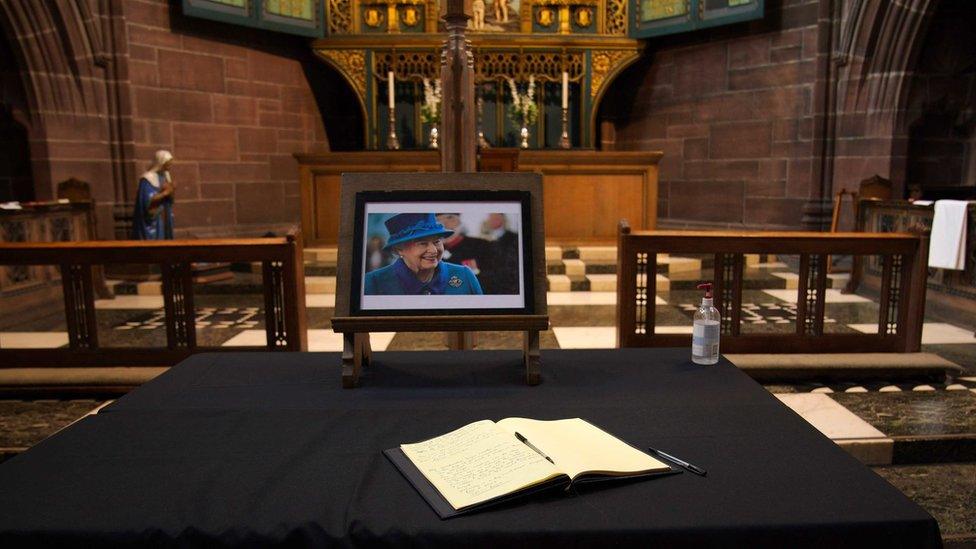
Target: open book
(487,462)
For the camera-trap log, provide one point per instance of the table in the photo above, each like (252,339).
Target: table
(260,448)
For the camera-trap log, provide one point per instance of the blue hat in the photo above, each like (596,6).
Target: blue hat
(412,226)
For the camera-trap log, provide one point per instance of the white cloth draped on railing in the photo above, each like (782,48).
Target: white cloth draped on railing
(947,248)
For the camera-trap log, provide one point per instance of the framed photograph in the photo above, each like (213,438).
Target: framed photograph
(458,252)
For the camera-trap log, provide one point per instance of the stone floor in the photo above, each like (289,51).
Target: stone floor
(947,491)
(919,434)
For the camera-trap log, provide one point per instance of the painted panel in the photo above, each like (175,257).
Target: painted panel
(302,17)
(663,17)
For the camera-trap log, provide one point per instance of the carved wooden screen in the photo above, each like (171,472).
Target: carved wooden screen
(283,284)
(901,299)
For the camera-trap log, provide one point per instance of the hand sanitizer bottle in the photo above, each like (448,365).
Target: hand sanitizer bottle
(704,339)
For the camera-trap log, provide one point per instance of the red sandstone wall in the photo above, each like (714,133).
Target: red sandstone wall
(54,81)
(732,110)
(232,113)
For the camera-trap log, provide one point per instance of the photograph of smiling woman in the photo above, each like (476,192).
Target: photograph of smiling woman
(417,239)
(438,256)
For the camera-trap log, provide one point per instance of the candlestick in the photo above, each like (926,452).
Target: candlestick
(565,90)
(392,143)
(564,138)
(389,88)
(482,142)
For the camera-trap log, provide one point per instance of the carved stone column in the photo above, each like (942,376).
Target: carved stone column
(458,148)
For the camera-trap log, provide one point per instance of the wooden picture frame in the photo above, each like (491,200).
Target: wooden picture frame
(355,323)
(492,290)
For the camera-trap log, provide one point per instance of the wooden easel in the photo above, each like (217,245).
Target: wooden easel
(357,354)
(355,329)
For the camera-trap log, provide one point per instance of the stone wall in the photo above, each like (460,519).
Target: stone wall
(105,84)
(732,110)
(233,105)
(60,92)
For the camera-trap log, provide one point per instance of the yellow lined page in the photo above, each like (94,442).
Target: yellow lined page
(478,462)
(577,447)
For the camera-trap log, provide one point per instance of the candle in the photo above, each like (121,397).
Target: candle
(389,87)
(565,90)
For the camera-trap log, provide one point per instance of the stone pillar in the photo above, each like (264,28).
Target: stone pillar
(458,148)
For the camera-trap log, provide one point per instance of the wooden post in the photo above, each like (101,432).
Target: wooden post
(365,350)
(459,146)
(458,110)
(181,331)
(625,299)
(735,321)
(350,364)
(884,294)
(912,307)
(79,306)
(460,341)
(356,354)
(727,290)
(294,287)
(530,357)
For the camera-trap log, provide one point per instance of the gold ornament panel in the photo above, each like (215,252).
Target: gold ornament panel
(489,64)
(355,17)
(605,63)
(653,10)
(340,16)
(352,65)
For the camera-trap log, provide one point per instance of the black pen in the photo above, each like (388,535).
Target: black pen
(693,468)
(525,441)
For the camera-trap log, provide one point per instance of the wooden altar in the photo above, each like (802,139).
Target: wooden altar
(585,192)
(32,291)
(951,294)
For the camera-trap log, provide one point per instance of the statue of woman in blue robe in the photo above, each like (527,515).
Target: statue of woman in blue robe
(153,216)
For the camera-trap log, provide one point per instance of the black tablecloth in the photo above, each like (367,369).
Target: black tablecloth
(249,448)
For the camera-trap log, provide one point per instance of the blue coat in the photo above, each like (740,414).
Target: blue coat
(398,279)
(147,225)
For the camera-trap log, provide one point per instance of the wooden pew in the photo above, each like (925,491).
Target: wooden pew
(283,282)
(902,293)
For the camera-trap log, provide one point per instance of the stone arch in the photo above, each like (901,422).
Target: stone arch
(938,119)
(873,59)
(57,43)
(74,102)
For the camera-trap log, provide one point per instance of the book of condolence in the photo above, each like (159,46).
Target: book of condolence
(486,461)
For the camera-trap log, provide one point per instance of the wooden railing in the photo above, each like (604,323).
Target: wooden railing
(902,293)
(283,283)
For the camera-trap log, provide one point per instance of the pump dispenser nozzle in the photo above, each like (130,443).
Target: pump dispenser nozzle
(707,286)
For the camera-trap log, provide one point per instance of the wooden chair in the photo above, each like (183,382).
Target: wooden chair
(77,190)
(872,188)
(74,190)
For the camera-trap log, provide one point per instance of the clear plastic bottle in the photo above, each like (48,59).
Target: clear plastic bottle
(707,325)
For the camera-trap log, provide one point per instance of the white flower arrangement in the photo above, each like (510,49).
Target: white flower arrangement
(523,110)
(430,110)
